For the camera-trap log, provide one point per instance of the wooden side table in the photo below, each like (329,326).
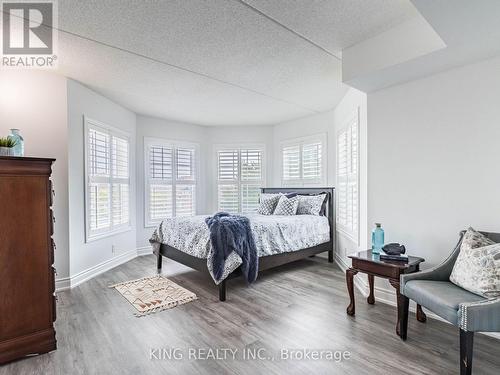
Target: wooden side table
(372,265)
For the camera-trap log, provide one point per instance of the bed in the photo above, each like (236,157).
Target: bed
(279,239)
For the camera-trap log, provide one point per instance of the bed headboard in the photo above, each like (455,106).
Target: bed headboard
(330,201)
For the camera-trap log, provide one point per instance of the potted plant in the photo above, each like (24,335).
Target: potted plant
(7,146)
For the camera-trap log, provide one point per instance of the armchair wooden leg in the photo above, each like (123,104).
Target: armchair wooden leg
(421,317)
(404,304)
(466,346)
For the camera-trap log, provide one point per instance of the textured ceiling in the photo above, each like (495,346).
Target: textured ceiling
(335,25)
(218,62)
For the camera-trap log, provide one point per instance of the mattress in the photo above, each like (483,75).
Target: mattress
(273,234)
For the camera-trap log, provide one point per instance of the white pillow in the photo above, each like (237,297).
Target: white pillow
(268,203)
(287,206)
(477,268)
(310,204)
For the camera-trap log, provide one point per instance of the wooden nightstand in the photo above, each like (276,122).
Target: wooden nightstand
(366,262)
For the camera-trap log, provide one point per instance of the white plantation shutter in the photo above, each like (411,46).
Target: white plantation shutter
(311,161)
(160,202)
(171,182)
(303,161)
(108,181)
(291,163)
(347,179)
(240,177)
(228,162)
(120,180)
(228,172)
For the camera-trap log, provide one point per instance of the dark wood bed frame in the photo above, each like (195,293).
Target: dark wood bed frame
(266,262)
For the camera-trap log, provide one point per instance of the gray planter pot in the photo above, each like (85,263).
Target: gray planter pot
(6,151)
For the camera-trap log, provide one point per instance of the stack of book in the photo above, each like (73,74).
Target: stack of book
(398,258)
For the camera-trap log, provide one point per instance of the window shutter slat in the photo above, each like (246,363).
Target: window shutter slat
(99,158)
(185,164)
(120,204)
(184,200)
(251,165)
(291,163)
(160,163)
(347,179)
(250,194)
(228,165)
(311,161)
(160,202)
(119,158)
(228,198)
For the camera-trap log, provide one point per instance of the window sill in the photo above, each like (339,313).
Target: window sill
(111,233)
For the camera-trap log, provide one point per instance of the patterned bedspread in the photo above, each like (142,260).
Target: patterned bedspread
(273,234)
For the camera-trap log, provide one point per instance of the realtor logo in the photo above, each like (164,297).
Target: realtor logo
(28,34)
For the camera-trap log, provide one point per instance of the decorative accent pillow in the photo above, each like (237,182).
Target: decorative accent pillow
(268,203)
(310,204)
(287,206)
(477,268)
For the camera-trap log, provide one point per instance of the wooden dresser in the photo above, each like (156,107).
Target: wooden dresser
(27,300)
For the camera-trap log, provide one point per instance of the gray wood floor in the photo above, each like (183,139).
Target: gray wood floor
(300,305)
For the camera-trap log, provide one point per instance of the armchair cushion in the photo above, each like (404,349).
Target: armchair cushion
(482,316)
(441,297)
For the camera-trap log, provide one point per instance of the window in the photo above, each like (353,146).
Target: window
(304,161)
(170,180)
(239,179)
(107,193)
(347,178)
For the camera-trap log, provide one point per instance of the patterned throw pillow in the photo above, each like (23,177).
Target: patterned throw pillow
(268,203)
(287,206)
(477,268)
(310,204)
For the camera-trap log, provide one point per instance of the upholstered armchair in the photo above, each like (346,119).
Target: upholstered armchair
(470,312)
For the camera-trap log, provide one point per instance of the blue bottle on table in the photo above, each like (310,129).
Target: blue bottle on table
(377,238)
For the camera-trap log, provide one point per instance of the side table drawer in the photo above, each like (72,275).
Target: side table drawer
(376,270)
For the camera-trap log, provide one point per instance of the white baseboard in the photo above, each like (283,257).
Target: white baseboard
(388,296)
(63,283)
(145,250)
(66,283)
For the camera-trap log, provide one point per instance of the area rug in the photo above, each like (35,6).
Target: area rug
(153,294)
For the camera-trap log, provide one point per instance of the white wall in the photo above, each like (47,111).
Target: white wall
(434,156)
(86,256)
(170,130)
(35,102)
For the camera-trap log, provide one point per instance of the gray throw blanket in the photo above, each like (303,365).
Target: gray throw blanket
(230,233)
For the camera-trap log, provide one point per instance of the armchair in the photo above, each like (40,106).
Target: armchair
(470,312)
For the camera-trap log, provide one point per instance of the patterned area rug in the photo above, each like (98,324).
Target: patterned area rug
(153,294)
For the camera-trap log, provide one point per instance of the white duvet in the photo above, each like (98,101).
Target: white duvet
(273,234)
